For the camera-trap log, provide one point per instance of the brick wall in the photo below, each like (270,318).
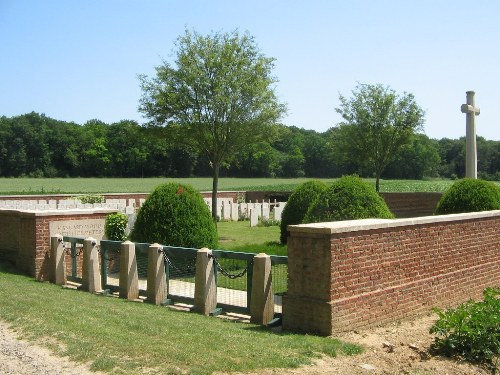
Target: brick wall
(25,237)
(347,275)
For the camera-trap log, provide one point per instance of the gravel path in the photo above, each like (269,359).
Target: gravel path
(23,358)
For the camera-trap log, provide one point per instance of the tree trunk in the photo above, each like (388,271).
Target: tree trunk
(377,182)
(215,186)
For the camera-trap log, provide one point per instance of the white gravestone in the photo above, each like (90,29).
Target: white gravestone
(265,211)
(254,217)
(234,211)
(471,111)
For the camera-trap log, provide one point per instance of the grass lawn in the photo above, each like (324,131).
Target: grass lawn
(123,337)
(10,186)
(239,236)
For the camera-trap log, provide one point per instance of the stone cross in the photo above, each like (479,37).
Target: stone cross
(470,147)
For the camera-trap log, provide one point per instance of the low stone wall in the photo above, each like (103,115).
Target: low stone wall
(403,205)
(25,235)
(347,275)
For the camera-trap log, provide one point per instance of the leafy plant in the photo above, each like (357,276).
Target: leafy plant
(348,198)
(472,330)
(175,215)
(115,226)
(469,195)
(297,205)
(90,198)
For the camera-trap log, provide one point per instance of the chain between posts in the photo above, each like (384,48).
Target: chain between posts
(167,260)
(225,272)
(99,251)
(68,250)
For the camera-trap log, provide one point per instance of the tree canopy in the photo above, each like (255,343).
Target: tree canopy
(217,98)
(377,124)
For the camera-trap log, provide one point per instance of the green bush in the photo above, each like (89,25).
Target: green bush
(472,330)
(469,195)
(90,198)
(297,205)
(175,215)
(348,198)
(115,226)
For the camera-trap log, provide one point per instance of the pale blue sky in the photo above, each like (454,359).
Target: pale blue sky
(79,60)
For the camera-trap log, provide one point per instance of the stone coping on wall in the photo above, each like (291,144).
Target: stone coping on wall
(62,212)
(372,224)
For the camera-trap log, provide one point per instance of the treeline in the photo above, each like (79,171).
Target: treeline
(37,146)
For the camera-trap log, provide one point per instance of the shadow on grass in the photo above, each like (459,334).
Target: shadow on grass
(311,340)
(10,267)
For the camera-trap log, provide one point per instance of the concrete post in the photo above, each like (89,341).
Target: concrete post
(57,263)
(129,282)
(205,289)
(157,282)
(471,112)
(91,273)
(262,302)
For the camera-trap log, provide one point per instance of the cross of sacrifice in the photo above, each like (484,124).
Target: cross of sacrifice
(471,111)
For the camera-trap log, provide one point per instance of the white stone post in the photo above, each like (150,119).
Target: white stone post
(57,263)
(262,301)
(157,282)
(470,146)
(205,289)
(129,282)
(254,217)
(91,273)
(234,211)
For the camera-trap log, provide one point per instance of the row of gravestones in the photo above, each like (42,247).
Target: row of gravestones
(67,204)
(228,210)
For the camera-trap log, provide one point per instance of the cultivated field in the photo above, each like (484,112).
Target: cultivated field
(144,185)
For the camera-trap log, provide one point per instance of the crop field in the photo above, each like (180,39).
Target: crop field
(26,186)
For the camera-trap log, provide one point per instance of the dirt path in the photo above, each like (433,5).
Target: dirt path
(23,358)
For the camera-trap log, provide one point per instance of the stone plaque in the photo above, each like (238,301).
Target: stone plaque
(78,228)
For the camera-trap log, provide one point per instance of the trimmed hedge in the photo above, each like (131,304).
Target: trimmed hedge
(298,204)
(348,198)
(469,195)
(175,215)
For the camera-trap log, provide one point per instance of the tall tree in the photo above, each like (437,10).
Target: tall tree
(378,122)
(217,98)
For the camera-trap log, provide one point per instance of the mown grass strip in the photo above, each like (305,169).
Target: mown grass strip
(122,337)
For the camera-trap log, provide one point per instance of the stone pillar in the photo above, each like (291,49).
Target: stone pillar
(129,282)
(470,146)
(205,289)
(90,271)
(262,302)
(57,264)
(157,282)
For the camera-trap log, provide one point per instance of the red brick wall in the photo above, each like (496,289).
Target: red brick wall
(342,279)
(26,239)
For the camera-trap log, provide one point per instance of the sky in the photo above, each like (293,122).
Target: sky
(79,60)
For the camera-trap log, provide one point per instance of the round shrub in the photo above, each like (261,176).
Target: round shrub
(348,198)
(297,205)
(175,215)
(115,226)
(469,195)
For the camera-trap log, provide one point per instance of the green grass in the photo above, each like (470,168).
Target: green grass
(145,185)
(122,337)
(239,236)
